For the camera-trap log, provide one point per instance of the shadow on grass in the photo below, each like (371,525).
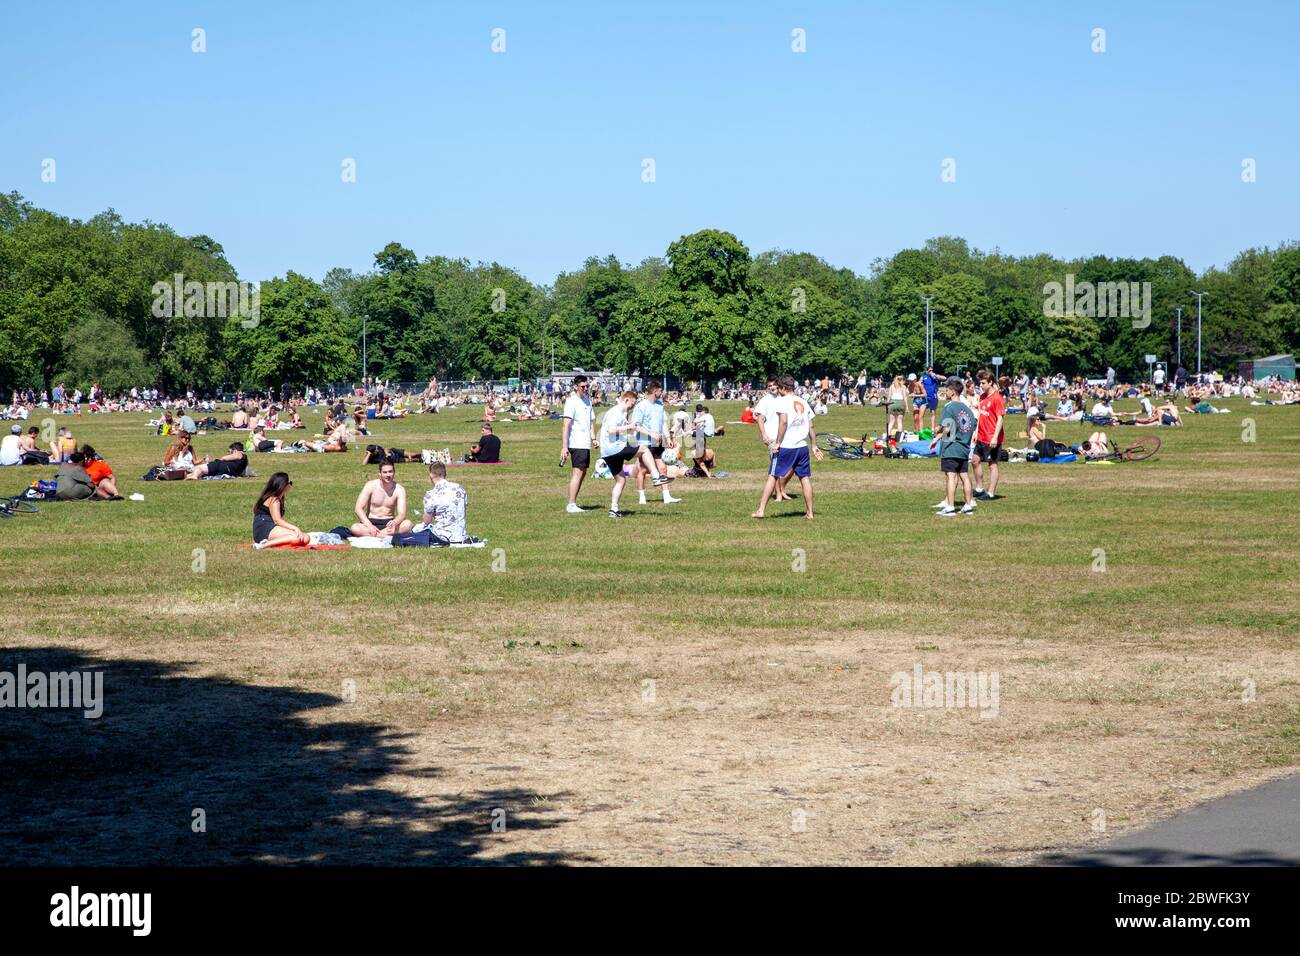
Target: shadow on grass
(278,783)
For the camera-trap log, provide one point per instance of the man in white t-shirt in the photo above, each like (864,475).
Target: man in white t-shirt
(575,439)
(766,412)
(795,434)
(617,427)
(11,447)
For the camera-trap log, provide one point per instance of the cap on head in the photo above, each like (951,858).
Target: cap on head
(15,429)
(911,376)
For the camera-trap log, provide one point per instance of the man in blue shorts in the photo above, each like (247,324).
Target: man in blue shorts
(795,434)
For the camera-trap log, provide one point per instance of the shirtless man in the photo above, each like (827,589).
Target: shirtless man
(381,506)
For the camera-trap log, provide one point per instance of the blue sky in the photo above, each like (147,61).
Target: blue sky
(533,157)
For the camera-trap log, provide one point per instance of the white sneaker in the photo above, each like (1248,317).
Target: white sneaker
(426,457)
(661,480)
(942,504)
(642,501)
(968,509)
(946,513)
(573,509)
(670,500)
(615,514)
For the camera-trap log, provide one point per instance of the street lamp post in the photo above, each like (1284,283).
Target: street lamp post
(364,316)
(1179,310)
(929,332)
(1199,297)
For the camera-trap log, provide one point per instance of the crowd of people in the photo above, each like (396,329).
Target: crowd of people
(647,436)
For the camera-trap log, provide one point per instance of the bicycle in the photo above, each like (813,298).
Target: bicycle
(16,505)
(843,448)
(1140,450)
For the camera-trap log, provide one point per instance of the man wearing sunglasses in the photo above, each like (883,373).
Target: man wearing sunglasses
(575,439)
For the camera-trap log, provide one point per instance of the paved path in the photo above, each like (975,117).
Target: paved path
(1259,827)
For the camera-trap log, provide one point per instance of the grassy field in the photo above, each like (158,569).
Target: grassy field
(684,686)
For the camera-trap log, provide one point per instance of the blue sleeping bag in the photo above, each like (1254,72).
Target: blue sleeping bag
(1059,459)
(920,449)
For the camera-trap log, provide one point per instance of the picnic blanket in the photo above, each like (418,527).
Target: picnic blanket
(294,546)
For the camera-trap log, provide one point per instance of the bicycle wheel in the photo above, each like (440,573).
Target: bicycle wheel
(22,506)
(829,441)
(847,452)
(1142,449)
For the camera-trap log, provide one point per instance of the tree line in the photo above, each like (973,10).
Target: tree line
(80,303)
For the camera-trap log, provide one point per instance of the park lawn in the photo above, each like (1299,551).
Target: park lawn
(686,685)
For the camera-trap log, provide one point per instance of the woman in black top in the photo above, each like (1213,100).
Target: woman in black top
(269,524)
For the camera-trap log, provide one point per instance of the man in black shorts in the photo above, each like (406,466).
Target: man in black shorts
(988,435)
(262,443)
(575,439)
(617,450)
(377,454)
(233,464)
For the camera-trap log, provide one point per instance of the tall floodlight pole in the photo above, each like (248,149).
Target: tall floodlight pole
(364,316)
(929,332)
(1199,297)
(1179,310)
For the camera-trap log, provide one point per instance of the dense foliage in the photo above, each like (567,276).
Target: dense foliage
(79,302)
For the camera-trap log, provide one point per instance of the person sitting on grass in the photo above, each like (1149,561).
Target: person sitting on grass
(1103,413)
(180,453)
(30,450)
(239,419)
(702,456)
(445,504)
(233,464)
(11,449)
(101,474)
(269,525)
(1169,415)
(72,483)
(488,449)
(381,506)
(62,446)
(359,421)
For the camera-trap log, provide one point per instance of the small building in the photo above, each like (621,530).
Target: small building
(1271,366)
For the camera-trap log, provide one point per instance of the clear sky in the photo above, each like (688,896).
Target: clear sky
(534,157)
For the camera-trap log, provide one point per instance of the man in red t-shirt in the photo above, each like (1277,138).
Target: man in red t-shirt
(988,435)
